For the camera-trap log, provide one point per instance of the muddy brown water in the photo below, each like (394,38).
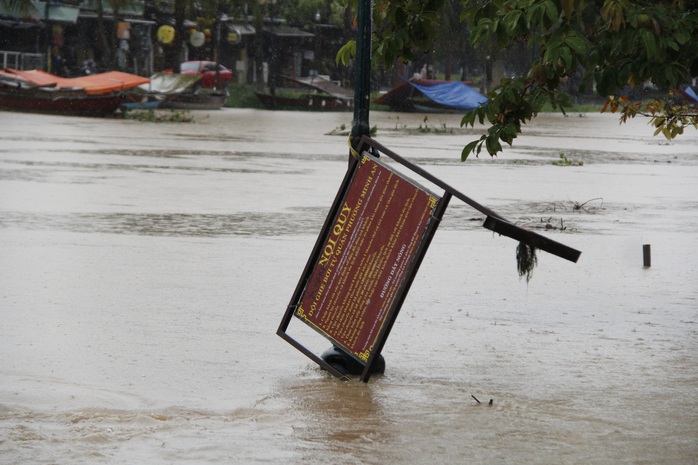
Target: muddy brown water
(144,269)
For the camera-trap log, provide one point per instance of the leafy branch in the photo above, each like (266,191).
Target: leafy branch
(669,119)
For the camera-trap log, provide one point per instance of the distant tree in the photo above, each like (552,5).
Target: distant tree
(306,13)
(611,45)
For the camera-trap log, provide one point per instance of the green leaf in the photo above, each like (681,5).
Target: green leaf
(551,12)
(492,144)
(512,19)
(566,57)
(577,43)
(469,119)
(468,149)
(651,47)
(346,53)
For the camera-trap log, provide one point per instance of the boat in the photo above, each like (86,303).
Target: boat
(39,91)
(195,100)
(176,91)
(320,95)
(58,101)
(691,96)
(141,101)
(431,95)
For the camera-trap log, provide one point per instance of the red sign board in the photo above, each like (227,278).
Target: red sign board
(366,257)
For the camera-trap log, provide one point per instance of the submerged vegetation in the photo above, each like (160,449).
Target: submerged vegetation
(152,116)
(564,161)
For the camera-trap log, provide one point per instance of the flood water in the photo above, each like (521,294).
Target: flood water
(145,267)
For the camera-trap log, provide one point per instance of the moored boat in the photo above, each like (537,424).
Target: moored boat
(38,91)
(318,94)
(431,95)
(309,102)
(58,101)
(195,101)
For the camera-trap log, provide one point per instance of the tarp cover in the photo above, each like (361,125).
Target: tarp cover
(170,83)
(691,93)
(95,84)
(454,94)
(325,86)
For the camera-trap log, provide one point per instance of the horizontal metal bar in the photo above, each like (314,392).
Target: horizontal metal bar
(531,238)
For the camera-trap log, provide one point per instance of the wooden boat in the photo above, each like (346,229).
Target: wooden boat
(58,101)
(311,102)
(178,91)
(195,101)
(430,95)
(319,95)
(141,101)
(38,91)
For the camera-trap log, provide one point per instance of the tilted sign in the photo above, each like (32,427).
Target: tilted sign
(365,259)
(368,253)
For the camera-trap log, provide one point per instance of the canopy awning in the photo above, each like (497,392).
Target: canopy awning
(288,31)
(57,12)
(42,11)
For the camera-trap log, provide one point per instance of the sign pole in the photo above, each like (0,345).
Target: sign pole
(362,77)
(360,128)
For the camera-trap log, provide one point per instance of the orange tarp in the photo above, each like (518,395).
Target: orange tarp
(94,84)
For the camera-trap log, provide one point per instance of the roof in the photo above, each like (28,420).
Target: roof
(288,31)
(242,29)
(38,10)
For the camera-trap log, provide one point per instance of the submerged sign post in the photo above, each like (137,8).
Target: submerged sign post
(368,253)
(382,221)
(365,259)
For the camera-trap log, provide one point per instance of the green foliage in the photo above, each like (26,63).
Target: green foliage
(513,103)
(611,44)
(301,13)
(152,116)
(564,161)
(405,29)
(346,53)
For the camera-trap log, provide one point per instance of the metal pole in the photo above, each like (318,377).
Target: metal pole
(217,51)
(362,80)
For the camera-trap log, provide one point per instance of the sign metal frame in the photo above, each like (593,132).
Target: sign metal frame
(367,149)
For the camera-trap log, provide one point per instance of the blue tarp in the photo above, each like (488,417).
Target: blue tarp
(691,93)
(452,94)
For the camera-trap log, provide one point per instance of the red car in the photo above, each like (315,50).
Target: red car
(207,70)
